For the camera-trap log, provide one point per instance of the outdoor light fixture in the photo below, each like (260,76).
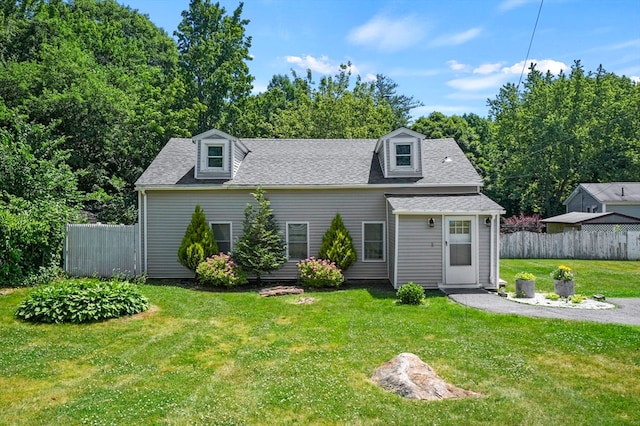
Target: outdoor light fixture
(487,221)
(432,222)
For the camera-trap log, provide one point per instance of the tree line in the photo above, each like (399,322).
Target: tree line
(90,91)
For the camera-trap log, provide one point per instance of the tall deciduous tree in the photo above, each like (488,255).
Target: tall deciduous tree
(261,249)
(214,51)
(198,242)
(559,131)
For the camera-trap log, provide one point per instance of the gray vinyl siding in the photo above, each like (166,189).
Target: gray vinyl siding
(630,209)
(169,213)
(419,251)
(238,155)
(582,201)
(484,251)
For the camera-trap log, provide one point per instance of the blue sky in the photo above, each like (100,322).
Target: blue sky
(451,55)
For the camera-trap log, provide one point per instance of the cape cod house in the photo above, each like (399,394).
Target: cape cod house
(413,206)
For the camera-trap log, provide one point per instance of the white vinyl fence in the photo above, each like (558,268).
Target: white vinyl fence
(101,250)
(606,245)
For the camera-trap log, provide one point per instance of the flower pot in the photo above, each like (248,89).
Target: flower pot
(564,288)
(525,288)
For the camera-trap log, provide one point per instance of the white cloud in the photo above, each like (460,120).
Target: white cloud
(424,111)
(387,34)
(478,83)
(457,66)
(635,79)
(543,66)
(458,38)
(494,76)
(320,65)
(487,68)
(512,4)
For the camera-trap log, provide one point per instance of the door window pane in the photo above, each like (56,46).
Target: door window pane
(460,242)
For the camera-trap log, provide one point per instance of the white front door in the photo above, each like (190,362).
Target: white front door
(460,268)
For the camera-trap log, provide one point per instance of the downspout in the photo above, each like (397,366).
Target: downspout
(144,197)
(492,275)
(395,262)
(138,270)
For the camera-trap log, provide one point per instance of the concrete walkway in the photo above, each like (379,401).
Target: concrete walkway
(627,311)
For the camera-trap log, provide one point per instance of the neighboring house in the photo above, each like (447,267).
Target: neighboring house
(621,197)
(413,206)
(579,221)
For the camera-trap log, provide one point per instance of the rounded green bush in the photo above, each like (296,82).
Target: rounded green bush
(79,301)
(410,294)
(220,270)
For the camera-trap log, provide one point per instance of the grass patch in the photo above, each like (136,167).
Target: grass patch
(613,278)
(237,358)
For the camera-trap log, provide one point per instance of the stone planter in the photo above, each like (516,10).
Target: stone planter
(525,288)
(564,288)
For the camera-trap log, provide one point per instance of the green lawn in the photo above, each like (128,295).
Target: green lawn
(235,358)
(611,278)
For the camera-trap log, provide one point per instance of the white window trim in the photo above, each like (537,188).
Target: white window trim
(289,259)
(403,141)
(384,242)
(204,155)
(230,231)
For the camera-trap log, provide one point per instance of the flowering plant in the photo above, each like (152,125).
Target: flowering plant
(319,273)
(525,276)
(562,273)
(220,270)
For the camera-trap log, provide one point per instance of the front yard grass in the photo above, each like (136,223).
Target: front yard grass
(234,358)
(613,278)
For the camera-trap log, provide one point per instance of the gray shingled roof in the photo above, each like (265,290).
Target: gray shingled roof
(310,162)
(612,192)
(472,203)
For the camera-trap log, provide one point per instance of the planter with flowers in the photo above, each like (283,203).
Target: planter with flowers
(563,278)
(525,284)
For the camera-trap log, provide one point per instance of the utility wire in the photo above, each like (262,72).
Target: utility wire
(524,65)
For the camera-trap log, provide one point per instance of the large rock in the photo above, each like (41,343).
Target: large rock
(408,376)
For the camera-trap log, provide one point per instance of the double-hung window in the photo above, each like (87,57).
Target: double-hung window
(297,240)
(373,241)
(403,154)
(215,156)
(222,232)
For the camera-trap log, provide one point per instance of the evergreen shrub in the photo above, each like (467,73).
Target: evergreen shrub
(410,294)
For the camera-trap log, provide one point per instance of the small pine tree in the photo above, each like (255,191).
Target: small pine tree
(337,245)
(198,242)
(261,249)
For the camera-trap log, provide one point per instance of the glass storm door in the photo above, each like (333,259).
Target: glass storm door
(459,253)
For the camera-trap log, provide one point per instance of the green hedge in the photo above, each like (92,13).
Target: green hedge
(79,301)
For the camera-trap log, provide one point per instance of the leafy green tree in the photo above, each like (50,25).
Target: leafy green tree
(385,91)
(198,242)
(337,245)
(558,131)
(38,195)
(261,249)
(214,51)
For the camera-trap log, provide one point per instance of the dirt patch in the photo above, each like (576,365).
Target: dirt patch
(153,309)
(305,300)
(6,291)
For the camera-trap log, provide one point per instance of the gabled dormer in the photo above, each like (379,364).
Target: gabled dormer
(400,153)
(218,155)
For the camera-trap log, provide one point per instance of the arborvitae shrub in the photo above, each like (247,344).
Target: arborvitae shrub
(198,242)
(337,245)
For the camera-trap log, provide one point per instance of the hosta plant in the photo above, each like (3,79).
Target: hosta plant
(221,271)
(79,301)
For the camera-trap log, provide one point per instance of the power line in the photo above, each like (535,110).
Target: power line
(530,43)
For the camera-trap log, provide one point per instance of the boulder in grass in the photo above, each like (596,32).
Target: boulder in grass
(408,376)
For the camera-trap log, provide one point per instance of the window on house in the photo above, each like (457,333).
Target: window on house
(222,234)
(403,155)
(373,241)
(297,241)
(215,156)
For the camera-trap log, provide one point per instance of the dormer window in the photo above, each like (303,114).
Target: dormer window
(403,155)
(215,157)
